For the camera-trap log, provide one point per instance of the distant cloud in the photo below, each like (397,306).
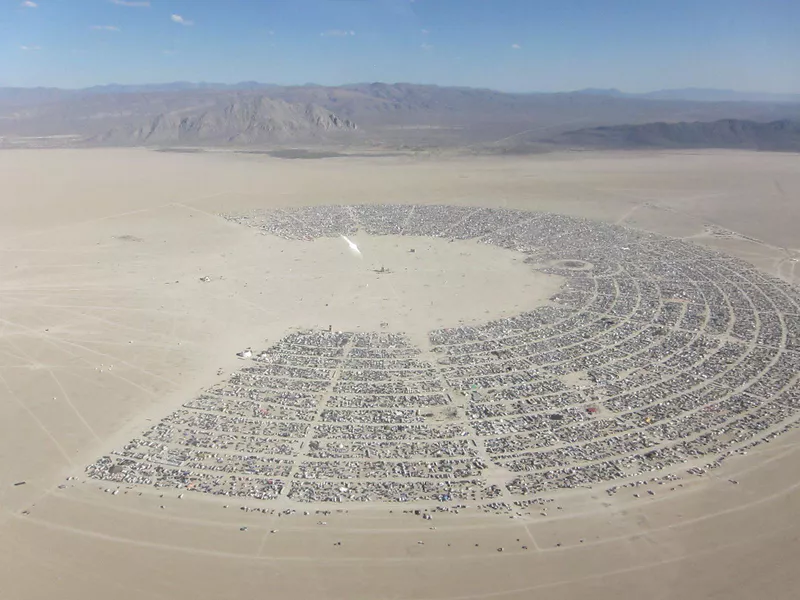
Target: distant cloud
(132,4)
(181,21)
(105,27)
(337,33)
(29,4)
(30,47)
(424,31)
(270,32)
(426,46)
(516,46)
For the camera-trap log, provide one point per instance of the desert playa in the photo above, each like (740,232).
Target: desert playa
(199,378)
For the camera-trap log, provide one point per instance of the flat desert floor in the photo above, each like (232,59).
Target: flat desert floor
(106,326)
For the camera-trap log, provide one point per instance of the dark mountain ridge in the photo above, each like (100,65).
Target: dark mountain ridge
(781,135)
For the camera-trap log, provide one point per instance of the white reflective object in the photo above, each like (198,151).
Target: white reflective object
(352,245)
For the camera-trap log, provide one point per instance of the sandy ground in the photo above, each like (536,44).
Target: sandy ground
(104,324)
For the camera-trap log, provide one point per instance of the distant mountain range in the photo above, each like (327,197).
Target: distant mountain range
(381,115)
(688,94)
(697,95)
(781,135)
(13,95)
(175,86)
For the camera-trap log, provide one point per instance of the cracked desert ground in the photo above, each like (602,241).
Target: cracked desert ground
(106,327)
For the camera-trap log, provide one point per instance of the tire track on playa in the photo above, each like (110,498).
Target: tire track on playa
(605,574)
(629,213)
(98,353)
(57,381)
(400,559)
(74,408)
(114,216)
(41,425)
(217,218)
(493,556)
(267,532)
(87,575)
(87,222)
(82,359)
(531,538)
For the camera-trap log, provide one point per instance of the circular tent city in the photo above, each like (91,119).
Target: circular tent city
(649,357)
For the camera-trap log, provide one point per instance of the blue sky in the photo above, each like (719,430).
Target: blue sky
(515,45)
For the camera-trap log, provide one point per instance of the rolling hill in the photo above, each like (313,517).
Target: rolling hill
(782,135)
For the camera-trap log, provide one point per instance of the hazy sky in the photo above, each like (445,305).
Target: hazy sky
(517,45)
